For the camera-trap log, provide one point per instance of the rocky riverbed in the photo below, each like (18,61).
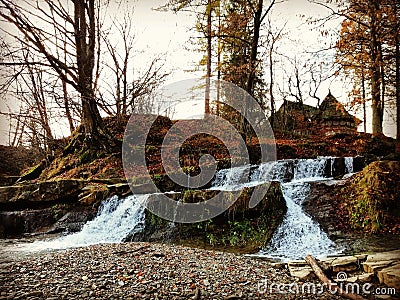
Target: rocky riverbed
(142,271)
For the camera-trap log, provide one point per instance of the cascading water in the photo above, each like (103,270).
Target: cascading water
(348,161)
(298,235)
(115,220)
(231,179)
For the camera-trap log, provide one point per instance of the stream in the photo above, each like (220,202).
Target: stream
(296,236)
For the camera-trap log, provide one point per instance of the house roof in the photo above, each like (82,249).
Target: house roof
(296,106)
(332,109)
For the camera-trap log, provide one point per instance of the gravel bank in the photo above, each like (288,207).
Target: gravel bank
(142,271)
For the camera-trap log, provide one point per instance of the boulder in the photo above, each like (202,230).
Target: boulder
(390,276)
(16,223)
(46,191)
(345,264)
(239,229)
(386,266)
(72,221)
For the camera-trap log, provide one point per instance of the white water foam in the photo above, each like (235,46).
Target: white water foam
(231,179)
(298,235)
(310,168)
(115,220)
(348,161)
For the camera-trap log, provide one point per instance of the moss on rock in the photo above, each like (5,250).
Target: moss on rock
(239,229)
(373,197)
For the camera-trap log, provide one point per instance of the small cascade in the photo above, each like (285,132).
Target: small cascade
(299,234)
(310,168)
(231,179)
(348,161)
(115,220)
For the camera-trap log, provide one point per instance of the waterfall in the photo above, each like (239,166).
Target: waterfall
(299,234)
(231,179)
(348,161)
(116,219)
(310,168)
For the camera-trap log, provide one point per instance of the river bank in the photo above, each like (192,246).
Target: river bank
(141,271)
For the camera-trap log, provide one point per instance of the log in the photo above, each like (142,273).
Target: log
(321,275)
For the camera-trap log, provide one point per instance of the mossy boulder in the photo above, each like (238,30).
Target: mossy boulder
(238,229)
(46,191)
(33,172)
(373,198)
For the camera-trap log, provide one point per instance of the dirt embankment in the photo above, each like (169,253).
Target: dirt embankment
(103,165)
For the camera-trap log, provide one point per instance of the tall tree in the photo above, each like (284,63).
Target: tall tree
(207,9)
(364,41)
(259,14)
(79,25)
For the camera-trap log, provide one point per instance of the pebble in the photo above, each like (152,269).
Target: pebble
(159,271)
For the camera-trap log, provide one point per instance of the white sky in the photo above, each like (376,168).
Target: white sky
(167,32)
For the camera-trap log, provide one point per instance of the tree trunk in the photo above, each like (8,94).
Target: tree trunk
(252,64)
(254,48)
(376,74)
(67,108)
(363,98)
(208,75)
(271,86)
(383,81)
(85,48)
(397,86)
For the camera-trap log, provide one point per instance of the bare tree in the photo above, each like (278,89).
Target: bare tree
(128,83)
(273,38)
(78,24)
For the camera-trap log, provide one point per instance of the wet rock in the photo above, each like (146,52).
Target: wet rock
(17,196)
(358,163)
(239,226)
(72,221)
(16,223)
(338,167)
(345,264)
(301,270)
(390,276)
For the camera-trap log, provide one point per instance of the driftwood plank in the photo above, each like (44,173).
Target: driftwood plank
(321,275)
